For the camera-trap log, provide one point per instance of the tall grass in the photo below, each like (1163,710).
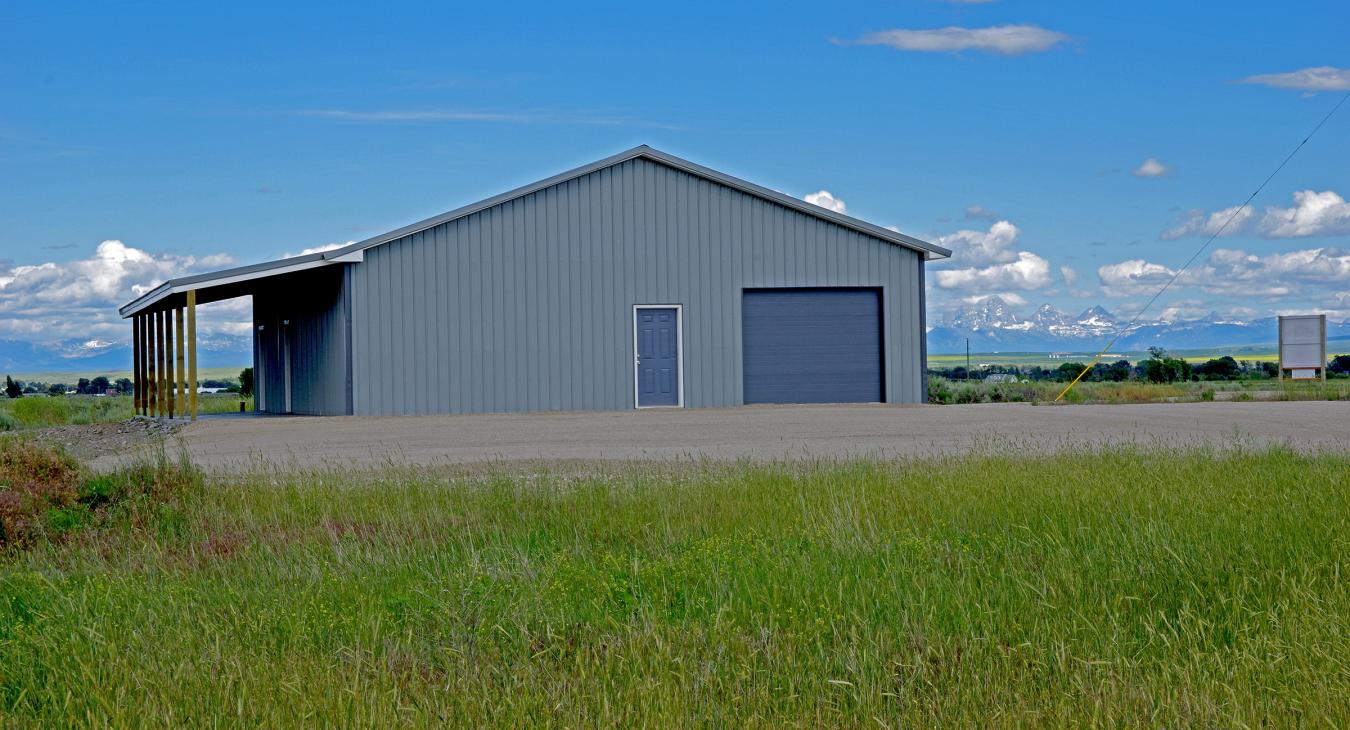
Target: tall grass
(1112,588)
(944,391)
(44,412)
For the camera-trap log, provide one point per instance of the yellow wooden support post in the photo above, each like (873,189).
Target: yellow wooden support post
(180,380)
(192,353)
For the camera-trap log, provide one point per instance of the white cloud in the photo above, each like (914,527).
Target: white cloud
(77,300)
(1133,277)
(1151,168)
(1314,214)
(432,116)
(1006,40)
(317,249)
(1319,273)
(1317,78)
(1008,297)
(972,247)
(980,213)
(1070,276)
(1029,271)
(990,260)
(1197,223)
(826,200)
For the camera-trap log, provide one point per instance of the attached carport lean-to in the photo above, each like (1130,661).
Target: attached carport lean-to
(164,331)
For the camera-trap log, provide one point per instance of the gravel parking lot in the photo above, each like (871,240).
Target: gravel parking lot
(758,433)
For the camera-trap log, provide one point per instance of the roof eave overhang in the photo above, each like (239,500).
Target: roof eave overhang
(148,300)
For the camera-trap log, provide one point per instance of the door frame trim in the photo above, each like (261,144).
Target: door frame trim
(679,353)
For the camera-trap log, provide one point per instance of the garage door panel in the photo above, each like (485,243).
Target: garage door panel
(812,346)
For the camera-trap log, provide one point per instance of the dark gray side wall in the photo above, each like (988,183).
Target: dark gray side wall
(315,304)
(528,305)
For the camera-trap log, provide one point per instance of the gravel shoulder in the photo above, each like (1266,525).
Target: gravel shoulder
(762,433)
(110,442)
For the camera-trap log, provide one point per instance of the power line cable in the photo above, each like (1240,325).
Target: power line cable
(1194,256)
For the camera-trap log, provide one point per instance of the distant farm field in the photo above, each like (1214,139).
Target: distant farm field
(70,377)
(1115,587)
(1043,359)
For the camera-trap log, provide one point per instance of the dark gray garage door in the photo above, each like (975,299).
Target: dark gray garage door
(812,345)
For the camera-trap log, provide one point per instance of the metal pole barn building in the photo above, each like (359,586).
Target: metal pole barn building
(641,280)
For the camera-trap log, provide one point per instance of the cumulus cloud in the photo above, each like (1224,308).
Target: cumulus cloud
(1133,277)
(1070,276)
(52,302)
(1151,168)
(1314,213)
(317,249)
(826,200)
(1028,271)
(1230,221)
(1317,78)
(1005,40)
(972,247)
(1235,272)
(990,259)
(1008,297)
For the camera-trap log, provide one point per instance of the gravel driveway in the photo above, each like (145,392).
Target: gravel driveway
(755,432)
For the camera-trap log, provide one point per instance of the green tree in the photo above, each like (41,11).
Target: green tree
(82,386)
(12,389)
(1068,371)
(1223,368)
(1159,368)
(1339,364)
(99,385)
(124,386)
(56,389)
(246,382)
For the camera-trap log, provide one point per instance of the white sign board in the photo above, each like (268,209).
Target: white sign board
(1303,344)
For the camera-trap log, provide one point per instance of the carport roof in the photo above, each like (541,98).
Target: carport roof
(353,252)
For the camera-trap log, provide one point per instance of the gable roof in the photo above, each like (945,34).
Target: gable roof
(353,252)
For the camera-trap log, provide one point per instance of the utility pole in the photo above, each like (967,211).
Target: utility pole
(967,358)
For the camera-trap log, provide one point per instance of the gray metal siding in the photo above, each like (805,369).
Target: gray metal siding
(315,305)
(528,305)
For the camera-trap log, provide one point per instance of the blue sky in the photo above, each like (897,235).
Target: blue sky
(1014,132)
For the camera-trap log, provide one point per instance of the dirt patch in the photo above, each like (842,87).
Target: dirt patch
(91,441)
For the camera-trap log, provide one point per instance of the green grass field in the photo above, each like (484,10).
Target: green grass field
(1119,588)
(42,412)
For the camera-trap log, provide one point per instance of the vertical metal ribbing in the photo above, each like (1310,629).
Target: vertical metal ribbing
(192,353)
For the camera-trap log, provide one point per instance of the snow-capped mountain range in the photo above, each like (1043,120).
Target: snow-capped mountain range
(992,325)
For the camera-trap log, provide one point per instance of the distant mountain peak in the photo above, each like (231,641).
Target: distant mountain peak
(992,326)
(986,313)
(1096,312)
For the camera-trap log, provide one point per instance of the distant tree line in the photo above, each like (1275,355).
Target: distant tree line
(103,385)
(1160,367)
